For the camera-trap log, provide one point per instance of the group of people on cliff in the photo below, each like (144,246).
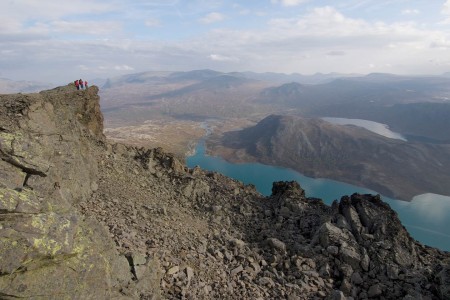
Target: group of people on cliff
(80,84)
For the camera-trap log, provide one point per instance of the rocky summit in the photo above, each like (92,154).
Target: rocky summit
(84,218)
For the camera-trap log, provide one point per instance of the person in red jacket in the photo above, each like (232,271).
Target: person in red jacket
(77,85)
(80,82)
(85,84)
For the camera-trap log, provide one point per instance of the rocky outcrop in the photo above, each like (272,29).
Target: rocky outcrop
(82,218)
(48,143)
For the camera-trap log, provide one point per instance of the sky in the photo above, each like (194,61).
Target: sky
(59,41)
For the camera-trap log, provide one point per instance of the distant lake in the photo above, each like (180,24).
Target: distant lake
(427,217)
(378,128)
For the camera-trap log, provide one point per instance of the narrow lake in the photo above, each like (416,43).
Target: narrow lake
(378,128)
(427,217)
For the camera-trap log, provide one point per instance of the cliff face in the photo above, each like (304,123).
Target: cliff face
(48,143)
(81,218)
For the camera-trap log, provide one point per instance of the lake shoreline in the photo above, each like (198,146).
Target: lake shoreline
(427,221)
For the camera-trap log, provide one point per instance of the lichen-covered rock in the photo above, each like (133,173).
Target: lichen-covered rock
(47,150)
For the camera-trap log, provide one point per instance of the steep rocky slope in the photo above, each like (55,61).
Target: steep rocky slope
(350,154)
(81,218)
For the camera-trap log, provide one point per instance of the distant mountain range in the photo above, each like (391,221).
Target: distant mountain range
(152,77)
(8,86)
(275,78)
(376,89)
(418,107)
(351,154)
(200,75)
(197,95)
(398,101)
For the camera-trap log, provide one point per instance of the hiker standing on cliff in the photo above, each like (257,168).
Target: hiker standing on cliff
(81,83)
(85,84)
(77,85)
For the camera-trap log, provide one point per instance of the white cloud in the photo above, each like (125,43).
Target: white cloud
(49,9)
(84,68)
(328,22)
(440,43)
(288,2)
(410,12)
(218,57)
(446,11)
(123,68)
(212,18)
(108,68)
(9,25)
(85,27)
(27,17)
(446,8)
(301,44)
(335,53)
(152,23)
(320,21)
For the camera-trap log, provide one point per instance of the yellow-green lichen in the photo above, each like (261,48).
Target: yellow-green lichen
(81,241)
(10,199)
(42,222)
(47,245)
(53,233)
(7,139)
(65,224)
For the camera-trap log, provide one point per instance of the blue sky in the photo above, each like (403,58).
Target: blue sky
(56,41)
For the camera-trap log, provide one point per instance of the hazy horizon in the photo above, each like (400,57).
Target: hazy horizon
(95,81)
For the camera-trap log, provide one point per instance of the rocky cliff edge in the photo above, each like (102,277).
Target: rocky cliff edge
(81,218)
(48,250)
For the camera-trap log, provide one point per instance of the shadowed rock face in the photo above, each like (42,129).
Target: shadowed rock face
(81,218)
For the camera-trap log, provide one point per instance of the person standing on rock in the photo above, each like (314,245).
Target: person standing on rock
(81,83)
(77,85)
(85,84)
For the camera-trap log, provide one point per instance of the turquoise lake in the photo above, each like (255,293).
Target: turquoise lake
(427,217)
